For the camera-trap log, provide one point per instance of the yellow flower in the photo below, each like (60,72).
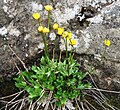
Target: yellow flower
(107,42)
(40,28)
(65,34)
(69,36)
(60,31)
(48,7)
(55,26)
(73,42)
(36,16)
(45,30)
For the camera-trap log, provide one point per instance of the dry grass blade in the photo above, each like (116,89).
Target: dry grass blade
(69,105)
(33,105)
(9,104)
(99,102)
(22,103)
(82,105)
(30,106)
(16,107)
(103,90)
(98,96)
(15,97)
(11,108)
(11,95)
(90,104)
(86,106)
(110,106)
(38,106)
(77,104)
(18,58)
(96,86)
(48,102)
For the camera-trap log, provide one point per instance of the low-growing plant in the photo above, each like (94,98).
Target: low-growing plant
(53,76)
(62,77)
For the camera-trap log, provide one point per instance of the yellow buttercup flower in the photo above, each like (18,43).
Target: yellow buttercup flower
(55,26)
(107,42)
(40,28)
(73,42)
(48,7)
(65,34)
(45,30)
(69,35)
(36,16)
(60,31)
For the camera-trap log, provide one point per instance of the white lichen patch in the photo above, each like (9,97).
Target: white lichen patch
(62,17)
(27,36)
(8,1)
(26,55)
(87,39)
(5,8)
(9,8)
(110,8)
(36,7)
(96,19)
(13,30)
(98,57)
(41,46)
(52,36)
(3,31)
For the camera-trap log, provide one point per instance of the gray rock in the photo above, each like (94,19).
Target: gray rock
(91,22)
(4,19)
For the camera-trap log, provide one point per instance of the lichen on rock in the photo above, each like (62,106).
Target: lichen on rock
(91,22)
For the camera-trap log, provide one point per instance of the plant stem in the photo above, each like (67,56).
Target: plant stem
(46,47)
(68,59)
(66,49)
(73,49)
(39,22)
(104,53)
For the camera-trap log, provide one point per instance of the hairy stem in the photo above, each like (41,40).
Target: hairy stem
(46,47)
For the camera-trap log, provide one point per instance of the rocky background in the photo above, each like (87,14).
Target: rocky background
(91,22)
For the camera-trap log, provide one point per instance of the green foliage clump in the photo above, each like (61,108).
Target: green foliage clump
(53,76)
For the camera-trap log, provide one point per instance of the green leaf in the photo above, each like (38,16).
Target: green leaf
(40,77)
(21,84)
(81,75)
(73,94)
(19,78)
(29,89)
(71,81)
(34,68)
(63,100)
(88,85)
(26,74)
(58,104)
(34,76)
(31,80)
(32,96)
(50,87)
(43,61)
(81,86)
(37,86)
(56,96)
